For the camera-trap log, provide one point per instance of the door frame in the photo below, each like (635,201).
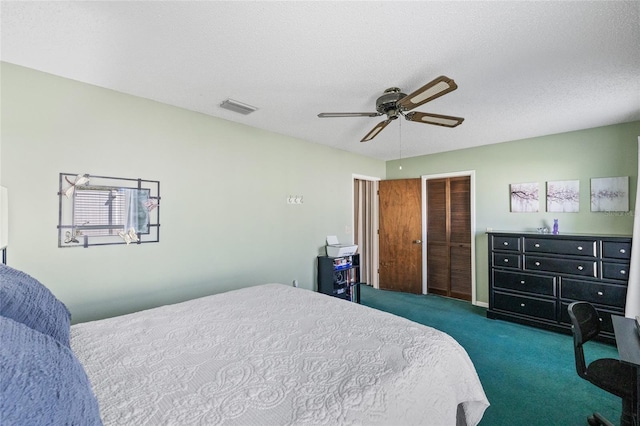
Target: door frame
(472,202)
(354,176)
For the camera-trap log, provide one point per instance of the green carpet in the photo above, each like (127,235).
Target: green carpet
(528,374)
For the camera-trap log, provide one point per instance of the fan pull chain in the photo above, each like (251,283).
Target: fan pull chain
(400,132)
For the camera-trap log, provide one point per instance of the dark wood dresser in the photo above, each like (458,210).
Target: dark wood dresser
(534,277)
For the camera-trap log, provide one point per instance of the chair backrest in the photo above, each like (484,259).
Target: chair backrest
(585,325)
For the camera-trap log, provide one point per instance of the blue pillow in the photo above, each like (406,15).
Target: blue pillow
(41,381)
(25,300)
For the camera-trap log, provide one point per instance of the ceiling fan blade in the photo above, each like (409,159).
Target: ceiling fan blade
(430,91)
(374,132)
(348,114)
(437,119)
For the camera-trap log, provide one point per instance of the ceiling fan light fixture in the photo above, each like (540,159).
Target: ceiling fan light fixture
(236,106)
(392,114)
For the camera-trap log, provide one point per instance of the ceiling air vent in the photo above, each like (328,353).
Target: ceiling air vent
(236,106)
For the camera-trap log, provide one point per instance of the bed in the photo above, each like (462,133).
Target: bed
(263,355)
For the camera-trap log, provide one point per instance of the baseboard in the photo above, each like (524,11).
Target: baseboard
(482,304)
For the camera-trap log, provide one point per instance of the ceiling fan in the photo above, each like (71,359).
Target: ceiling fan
(393,103)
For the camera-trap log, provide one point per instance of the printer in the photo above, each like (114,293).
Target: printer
(335,249)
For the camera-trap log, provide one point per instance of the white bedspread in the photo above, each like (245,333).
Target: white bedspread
(275,355)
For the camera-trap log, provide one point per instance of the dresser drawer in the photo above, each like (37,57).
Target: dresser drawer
(615,271)
(616,249)
(569,247)
(525,305)
(524,282)
(593,292)
(605,316)
(506,260)
(500,242)
(562,266)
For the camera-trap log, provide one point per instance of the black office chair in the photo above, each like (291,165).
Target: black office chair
(606,373)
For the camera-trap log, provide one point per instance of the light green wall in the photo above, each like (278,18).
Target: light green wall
(225,223)
(600,152)
(224,219)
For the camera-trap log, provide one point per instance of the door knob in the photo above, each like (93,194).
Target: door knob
(417,241)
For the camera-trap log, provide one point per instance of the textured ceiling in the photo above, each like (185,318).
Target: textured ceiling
(523,69)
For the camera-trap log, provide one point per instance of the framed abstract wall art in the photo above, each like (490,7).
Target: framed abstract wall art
(563,196)
(524,197)
(610,194)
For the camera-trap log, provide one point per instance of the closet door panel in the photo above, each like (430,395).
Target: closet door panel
(449,237)
(438,268)
(460,210)
(461,272)
(437,206)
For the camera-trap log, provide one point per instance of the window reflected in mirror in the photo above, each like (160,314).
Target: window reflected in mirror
(99,210)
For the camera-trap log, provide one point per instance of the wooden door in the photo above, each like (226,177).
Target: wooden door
(449,237)
(400,234)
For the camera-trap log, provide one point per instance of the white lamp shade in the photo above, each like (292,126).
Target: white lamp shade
(4,217)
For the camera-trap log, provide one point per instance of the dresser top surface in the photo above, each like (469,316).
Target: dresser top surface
(559,236)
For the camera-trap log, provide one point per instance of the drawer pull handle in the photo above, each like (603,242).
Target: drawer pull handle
(579,248)
(506,260)
(537,245)
(537,263)
(580,268)
(505,243)
(522,304)
(622,272)
(600,293)
(623,251)
(522,282)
